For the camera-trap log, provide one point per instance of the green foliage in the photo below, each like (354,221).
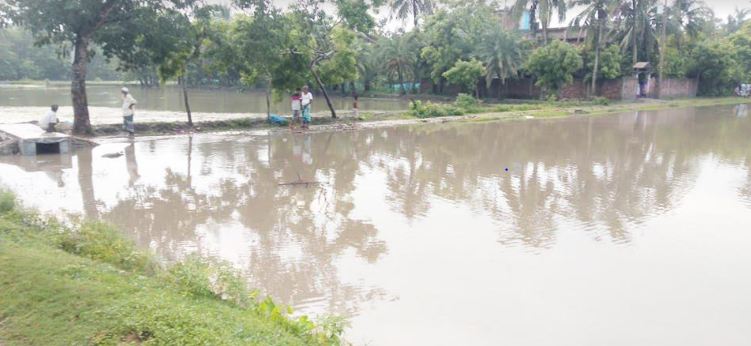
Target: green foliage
(465,74)
(431,110)
(452,36)
(600,101)
(741,42)
(712,64)
(342,66)
(210,278)
(467,102)
(609,66)
(7,202)
(102,242)
(676,63)
(462,105)
(502,52)
(554,65)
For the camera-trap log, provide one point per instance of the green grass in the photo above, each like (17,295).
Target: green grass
(85,285)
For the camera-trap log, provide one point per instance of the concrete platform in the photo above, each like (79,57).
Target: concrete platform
(32,140)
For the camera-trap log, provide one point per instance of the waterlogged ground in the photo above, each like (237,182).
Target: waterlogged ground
(631,229)
(23,103)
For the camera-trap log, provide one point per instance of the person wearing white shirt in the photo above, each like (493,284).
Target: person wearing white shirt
(307,100)
(129,104)
(49,120)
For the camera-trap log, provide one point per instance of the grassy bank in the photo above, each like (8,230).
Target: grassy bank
(62,285)
(461,110)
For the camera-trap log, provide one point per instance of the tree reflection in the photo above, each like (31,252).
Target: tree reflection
(601,175)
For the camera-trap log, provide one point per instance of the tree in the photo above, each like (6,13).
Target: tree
(712,65)
(396,58)
(116,26)
(404,8)
(610,63)
(741,42)
(503,54)
(452,36)
(264,48)
(688,17)
(325,44)
(194,35)
(595,16)
(737,19)
(554,65)
(466,74)
(542,9)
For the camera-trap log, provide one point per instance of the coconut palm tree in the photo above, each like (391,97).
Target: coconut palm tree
(403,9)
(502,53)
(396,58)
(688,17)
(636,23)
(542,10)
(595,17)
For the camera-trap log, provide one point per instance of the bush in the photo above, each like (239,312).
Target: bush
(101,242)
(601,101)
(210,278)
(7,202)
(554,65)
(516,108)
(432,110)
(467,103)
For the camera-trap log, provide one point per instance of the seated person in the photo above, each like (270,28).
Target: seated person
(49,120)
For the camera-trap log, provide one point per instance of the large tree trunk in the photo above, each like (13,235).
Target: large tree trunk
(181,80)
(634,51)
(323,90)
(533,19)
(414,12)
(598,41)
(81,122)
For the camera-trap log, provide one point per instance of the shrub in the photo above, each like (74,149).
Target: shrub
(554,65)
(7,202)
(102,242)
(601,101)
(210,278)
(467,103)
(432,110)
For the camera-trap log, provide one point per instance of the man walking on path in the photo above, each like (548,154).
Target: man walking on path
(129,104)
(307,99)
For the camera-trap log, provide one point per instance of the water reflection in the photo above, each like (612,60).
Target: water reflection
(221,196)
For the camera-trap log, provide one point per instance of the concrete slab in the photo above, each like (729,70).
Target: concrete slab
(32,138)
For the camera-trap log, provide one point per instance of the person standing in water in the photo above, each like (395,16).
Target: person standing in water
(296,108)
(356,104)
(307,100)
(129,105)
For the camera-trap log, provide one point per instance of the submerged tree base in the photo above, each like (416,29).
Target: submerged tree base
(61,286)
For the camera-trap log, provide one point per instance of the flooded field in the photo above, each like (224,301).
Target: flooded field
(19,103)
(632,229)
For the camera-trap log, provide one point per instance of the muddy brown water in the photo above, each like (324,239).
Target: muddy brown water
(20,103)
(630,229)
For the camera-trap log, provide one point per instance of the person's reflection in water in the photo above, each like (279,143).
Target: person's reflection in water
(741,111)
(131,163)
(307,155)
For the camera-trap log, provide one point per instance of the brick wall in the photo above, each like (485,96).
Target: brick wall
(617,89)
